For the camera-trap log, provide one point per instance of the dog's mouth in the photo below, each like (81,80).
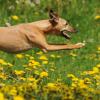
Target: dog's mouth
(65,34)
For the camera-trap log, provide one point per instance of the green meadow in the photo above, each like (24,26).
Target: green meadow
(56,75)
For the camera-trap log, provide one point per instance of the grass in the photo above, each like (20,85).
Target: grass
(81,15)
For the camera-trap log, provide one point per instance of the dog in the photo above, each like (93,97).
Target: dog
(22,37)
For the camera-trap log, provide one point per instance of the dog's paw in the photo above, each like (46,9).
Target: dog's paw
(83,44)
(80,45)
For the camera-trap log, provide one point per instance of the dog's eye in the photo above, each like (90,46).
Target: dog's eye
(66,23)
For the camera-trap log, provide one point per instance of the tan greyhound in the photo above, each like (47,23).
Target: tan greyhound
(22,37)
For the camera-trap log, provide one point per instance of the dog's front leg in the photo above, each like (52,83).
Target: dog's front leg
(40,41)
(52,47)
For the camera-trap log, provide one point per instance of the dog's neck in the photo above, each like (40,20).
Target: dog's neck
(44,25)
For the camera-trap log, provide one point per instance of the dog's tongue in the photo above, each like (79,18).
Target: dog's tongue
(66,35)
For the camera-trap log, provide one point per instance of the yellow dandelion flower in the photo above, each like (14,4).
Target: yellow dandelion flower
(97,77)
(34,67)
(2,85)
(44,74)
(33,63)
(91,72)
(58,56)
(98,65)
(30,64)
(51,86)
(91,90)
(59,79)
(33,85)
(19,72)
(70,76)
(45,62)
(53,56)
(81,84)
(9,64)
(1,96)
(98,84)
(97,17)
(69,97)
(19,56)
(36,63)
(73,54)
(31,79)
(14,17)
(31,57)
(96,70)
(36,72)
(27,55)
(74,85)
(3,62)
(33,98)
(87,81)
(1,68)
(13,91)
(88,72)
(75,79)
(3,76)
(18,97)
(98,48)
(39,53)
(22,78)
(43,57)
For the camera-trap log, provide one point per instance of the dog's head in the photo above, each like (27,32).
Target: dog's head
(60,25)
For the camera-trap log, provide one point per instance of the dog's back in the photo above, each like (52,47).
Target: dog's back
(11,39)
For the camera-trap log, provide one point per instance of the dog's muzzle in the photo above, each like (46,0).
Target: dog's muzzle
(65,34)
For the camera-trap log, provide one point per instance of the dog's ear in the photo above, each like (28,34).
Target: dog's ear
(54,18)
